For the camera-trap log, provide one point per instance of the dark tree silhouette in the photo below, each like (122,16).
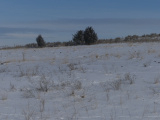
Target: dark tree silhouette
(40,41)
(90,37)
(78,38)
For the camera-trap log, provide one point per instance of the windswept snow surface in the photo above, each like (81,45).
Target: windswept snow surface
(98,82)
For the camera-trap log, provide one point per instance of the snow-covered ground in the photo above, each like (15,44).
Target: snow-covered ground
(98,82)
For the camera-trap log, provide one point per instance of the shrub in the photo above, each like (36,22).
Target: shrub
(31,45)
(78,38)
(90,36)
(44,85)
(69,43)
(128,38)
(128,79)
(40,41)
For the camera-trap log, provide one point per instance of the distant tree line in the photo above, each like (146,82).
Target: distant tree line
(89,37)
(86,37)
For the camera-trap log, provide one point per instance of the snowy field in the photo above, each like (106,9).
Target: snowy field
(98,82)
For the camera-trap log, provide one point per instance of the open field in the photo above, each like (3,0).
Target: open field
(99,82)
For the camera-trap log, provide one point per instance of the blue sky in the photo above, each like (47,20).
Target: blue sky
(56,20)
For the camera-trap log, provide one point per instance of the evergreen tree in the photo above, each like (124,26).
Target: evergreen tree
(90,36)
(78,38)
(40,41)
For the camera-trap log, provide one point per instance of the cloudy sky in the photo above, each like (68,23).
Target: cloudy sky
(21,21)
